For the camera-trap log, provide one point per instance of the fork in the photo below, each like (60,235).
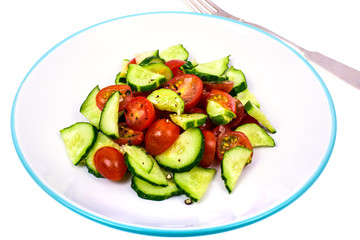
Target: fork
(342,71)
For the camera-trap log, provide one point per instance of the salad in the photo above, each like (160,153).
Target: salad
(167,120)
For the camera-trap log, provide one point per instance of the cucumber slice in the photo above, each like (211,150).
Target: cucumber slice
(160,68)
(79,138)
(218,114)
(206,76)
(148,191)
(195,182)
(101,141)
(110,116)
(256,113)
(256,135)
(121,76)
(150,60)
(217,67)
(238,77)
(141,79)
(89,108)
(232,165)
(168,100)
(138,155)
(246,96)
(187,121)
(141,56)
(177,52)
(154,177)
(185,153)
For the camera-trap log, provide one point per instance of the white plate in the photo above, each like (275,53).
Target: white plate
(290,92)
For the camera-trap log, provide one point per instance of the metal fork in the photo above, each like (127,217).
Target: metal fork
(346,73)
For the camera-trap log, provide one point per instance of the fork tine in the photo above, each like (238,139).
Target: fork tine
(213,5)
(206,5)
(198,6)
(192,6)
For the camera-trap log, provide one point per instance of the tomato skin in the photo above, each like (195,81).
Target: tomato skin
(223,98)
(240,113)
(220,129)
(225,86)
(139,114)
(208,125)
(132,61)
(229,140)
(160,136)
(174,66)
(129,136)
(103,96)
(110,163)
(203,99)
(209,150)
(189,87)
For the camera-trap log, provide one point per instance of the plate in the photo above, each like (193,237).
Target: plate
(291,94)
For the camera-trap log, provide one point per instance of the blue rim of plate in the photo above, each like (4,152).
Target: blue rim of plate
(180,232)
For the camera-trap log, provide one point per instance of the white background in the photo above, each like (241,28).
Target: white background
(330,208)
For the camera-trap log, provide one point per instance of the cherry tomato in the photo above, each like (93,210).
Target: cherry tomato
(203,99)
(208,125)
(110,163)
(229,140)
(132,61)
(129,136)
(220,129)
(103,96)
(240,112)
(139,114)
(141,94)
(224,86)
(209,150)
(223,98)
(174,65)
(189,87)
(160,136)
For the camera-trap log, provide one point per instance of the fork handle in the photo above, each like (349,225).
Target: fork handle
(342,71)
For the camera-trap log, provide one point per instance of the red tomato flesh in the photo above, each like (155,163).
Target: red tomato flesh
(160,136)
(229,140)
(224,86)
(110,163)
(129,136)
(209,150)
(189,87)
(174,66)
(240,113)
(103,96)
(223,98)
(139,114)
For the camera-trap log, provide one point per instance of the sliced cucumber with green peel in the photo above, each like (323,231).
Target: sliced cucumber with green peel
(185,153)
(141,56)
(256,135)
(186,121)
(218,114)
(101,141)
(246,96)
(177,52)
(89,108)
(160,68)
(238,77)
(148,191)
(138,155)
(151,60)
(256,113)
(79,138)
(121,76)
(232,165)
(194,182)
(110,116)
(141,79)
(168,100)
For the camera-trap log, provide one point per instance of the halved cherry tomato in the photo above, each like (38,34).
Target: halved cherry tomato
(223,98)
(160,136)
(129,136)
(174,65)
(103,96)
(209,150)
(189,87)
(110,163)
(139,114)
(220,129)
(208,125)
(132,61)
(224,86)
(203,99)
(229,140)
(240,113)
